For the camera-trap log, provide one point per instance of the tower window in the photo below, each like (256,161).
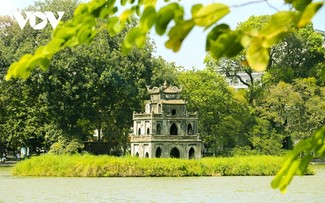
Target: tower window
(174,112)
(139,131)
(174,153)
(158,129)
(191,153)
(158,152)
(173,129)
(189,129)
(148,131)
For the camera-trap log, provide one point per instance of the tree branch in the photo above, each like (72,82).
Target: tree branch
(255,2)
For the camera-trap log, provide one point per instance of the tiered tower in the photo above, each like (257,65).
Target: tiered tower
(165,129)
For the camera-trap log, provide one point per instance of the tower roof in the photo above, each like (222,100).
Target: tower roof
(165,88)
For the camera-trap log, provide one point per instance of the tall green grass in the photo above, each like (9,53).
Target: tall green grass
(108,166)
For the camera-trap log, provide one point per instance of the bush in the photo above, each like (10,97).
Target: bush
(63,146)
(108,166)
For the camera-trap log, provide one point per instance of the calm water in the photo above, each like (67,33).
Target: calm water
(190,189)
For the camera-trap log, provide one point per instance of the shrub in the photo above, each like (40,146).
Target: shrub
(108,166)
(63,146)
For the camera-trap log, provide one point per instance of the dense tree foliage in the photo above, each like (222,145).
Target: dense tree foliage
(299,55)
(220,124)
(221,40)
(85,88)
(228,124)
(288,99)
(296,110)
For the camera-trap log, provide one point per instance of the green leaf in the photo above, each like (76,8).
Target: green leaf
(164,16)
(272,39)
(35,60)
(53,46)
(210,14)
(123,2)
(81,9)
(289,175)
(19,69)
(125,15)
(85,35)
(150,3)
(136,9)
(300,5)
(44,64)
(64,33)
(275,29)
(293,163)
(304,164)
(113,26)
(227,44)
(195,8)
(309,13)
(178,33)
(215,33)
(134,36)
(258,56)
(95,7)
(148,18)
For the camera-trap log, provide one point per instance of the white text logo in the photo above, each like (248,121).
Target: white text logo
(32,18)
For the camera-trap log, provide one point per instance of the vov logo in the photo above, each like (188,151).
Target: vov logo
(31,16)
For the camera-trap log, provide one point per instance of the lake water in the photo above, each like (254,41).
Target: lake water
(186,189)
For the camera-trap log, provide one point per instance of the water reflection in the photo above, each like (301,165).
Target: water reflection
(190,189)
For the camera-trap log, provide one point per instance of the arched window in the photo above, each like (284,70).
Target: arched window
(173,129)
(158,152)
(191,153)
(174,153)
(159,108)
(174,112)
(137,154)
(139,131)
(146,155)
(158,129)
(189,129)
(148,131)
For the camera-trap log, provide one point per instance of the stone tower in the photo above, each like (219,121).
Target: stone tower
(165,129)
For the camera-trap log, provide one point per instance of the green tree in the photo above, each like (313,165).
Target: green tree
(85,88)
(311,112)
(279,104)
(295,110)
(264,138)
(299,55)
(25,119)
(223,119)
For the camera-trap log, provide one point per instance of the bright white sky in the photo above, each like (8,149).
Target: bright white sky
(192,52)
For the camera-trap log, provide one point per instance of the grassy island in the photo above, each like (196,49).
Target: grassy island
(107,166)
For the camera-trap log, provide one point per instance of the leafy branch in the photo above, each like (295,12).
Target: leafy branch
(221,40)
(297,161)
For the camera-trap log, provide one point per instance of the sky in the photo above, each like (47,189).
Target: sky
(192,52)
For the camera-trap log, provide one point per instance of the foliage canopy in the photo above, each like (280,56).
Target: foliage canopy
(221,40)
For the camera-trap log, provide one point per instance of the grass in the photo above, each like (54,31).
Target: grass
(108,166)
